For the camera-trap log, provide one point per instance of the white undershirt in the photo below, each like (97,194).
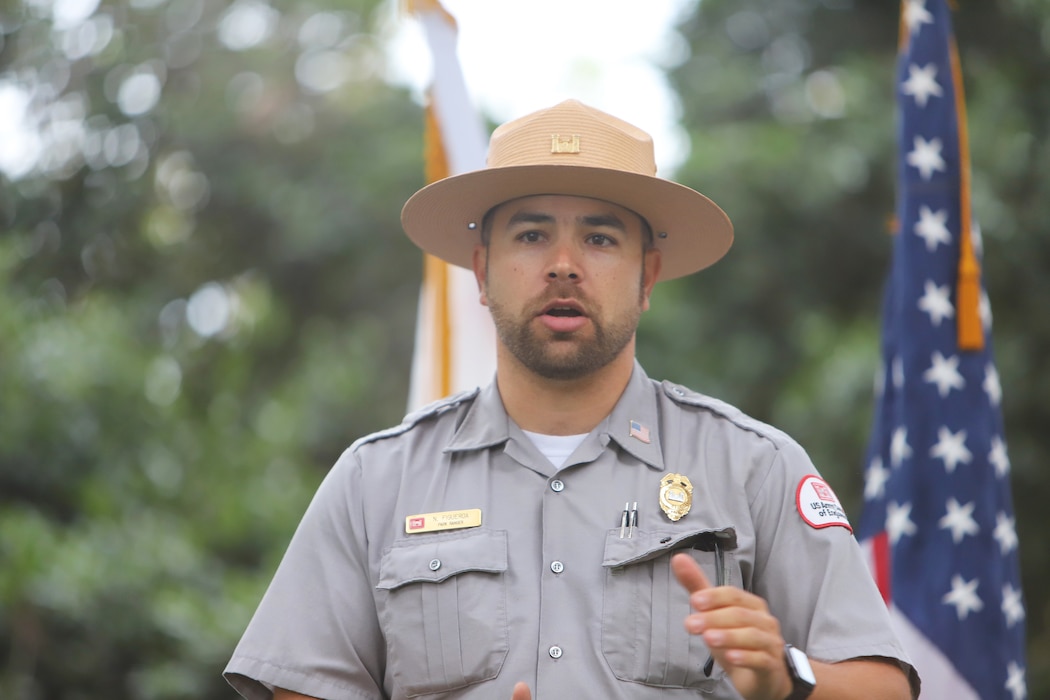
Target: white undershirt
(556,448)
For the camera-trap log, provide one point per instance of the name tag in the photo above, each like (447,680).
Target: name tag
(448,520)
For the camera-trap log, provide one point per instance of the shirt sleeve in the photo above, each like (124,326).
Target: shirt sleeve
(315,631)
(813,575)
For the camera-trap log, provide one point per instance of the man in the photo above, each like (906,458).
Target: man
(573,530)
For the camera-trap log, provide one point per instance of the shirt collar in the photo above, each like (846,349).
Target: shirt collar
(632,421)
(485,425)
(635,419)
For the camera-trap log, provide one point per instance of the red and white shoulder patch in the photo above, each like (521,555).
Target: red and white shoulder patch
(818,505)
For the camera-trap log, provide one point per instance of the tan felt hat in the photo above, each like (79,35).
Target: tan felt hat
(570,149)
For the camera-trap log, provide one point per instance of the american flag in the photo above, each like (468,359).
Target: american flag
(938,519)
(639,431)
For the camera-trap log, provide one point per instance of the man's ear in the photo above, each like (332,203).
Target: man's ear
(480,270)
(651,271)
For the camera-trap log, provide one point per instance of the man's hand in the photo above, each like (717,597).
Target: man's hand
(737,627)
(521,692)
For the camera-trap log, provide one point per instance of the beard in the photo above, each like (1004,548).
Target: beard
(562,356)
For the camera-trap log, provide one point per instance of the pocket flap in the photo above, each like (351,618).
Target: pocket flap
(644,545)
(435,558)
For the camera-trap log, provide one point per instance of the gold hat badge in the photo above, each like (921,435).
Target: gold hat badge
(676,495)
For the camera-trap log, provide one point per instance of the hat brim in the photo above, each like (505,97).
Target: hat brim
(690,230)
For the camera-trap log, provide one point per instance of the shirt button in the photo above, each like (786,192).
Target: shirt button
(555,652)
(435,564)
(557,486)
(557,567)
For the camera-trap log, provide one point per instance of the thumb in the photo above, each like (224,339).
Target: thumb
(521,692)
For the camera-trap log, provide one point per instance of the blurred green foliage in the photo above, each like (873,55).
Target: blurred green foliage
(203,304)
(207,294)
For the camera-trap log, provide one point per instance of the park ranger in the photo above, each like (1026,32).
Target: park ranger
(573,530)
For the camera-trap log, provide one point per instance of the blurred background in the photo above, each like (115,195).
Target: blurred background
(207,295)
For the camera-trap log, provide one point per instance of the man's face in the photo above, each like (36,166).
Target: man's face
(566,279)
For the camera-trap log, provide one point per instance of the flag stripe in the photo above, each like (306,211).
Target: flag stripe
(940,680)
(880,549)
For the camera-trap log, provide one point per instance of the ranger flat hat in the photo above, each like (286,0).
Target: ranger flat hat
(570,149)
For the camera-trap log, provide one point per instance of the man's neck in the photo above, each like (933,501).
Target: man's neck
(562,407)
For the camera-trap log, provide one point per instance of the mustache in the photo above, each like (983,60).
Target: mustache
(560,291)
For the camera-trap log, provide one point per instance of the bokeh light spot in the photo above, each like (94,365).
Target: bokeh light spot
(139,93)
(209,310)
(247,23)
(163,381)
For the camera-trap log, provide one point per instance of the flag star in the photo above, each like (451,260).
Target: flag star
(1005,533)
(998,458)
(898,521)
(935,301)
(900,450)
(959,519)
(991,384)
(898,373)
(926,156)
(951,447)
(921,83)
(944,372)
(875,479)
(916,15)
(963,596)
(1015,681)
(931,227)
(1013,607)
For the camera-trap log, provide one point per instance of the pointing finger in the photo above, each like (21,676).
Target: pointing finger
(689,573)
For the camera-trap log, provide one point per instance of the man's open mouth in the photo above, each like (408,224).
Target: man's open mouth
(563,311)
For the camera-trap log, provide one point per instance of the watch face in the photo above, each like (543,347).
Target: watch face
(801,663)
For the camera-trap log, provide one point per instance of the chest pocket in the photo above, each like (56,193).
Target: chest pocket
(643,636)
(444,613)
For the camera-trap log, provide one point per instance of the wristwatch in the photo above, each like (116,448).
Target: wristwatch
(802,679)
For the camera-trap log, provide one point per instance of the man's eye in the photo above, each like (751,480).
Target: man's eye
(600,239)
(530,236)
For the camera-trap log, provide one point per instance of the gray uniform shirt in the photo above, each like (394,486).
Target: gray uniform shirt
(549,588)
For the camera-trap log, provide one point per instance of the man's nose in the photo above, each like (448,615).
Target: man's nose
(563,264)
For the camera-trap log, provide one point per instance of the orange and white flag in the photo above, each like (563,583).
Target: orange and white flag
(455,339)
